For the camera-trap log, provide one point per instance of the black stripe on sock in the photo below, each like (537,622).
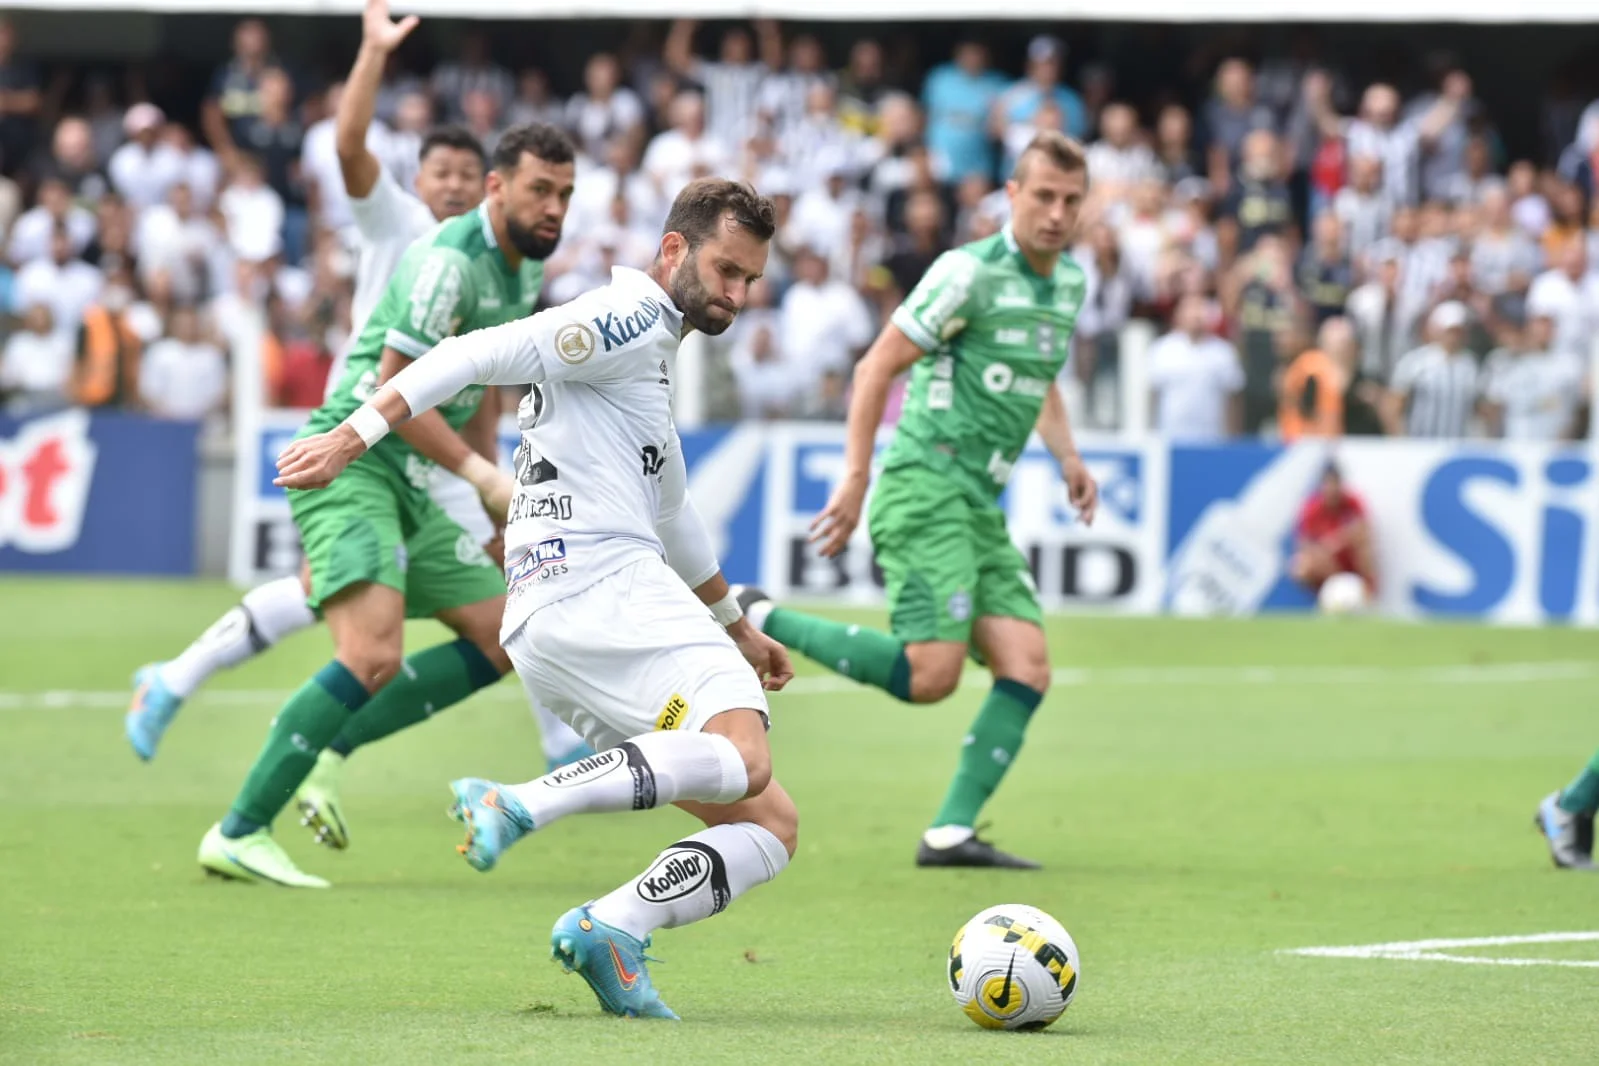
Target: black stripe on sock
(721,893)
(258,640)
(643,777)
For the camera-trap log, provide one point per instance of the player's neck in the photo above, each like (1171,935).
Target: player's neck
(658,272)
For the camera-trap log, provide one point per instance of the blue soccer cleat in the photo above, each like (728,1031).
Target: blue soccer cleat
(152,710)
(611,961)
(1569,836)
(582,751)
(493,818)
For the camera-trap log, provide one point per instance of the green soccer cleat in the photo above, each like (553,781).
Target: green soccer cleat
(256,857)
(493,818)
(611,961)
(318,801)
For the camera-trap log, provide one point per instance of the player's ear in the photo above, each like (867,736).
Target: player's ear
(674,247)
(494,183)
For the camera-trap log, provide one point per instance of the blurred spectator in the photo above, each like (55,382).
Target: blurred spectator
(320,175)
(1444,119)
(62,282)
(1363,207)
(781,102)
(767,386)
(106,372)
(922,241)
(34,230)
(1379,133)
(71,158)
(862,88)
(1313,389)
(1333,537)
(1120,158)
(253,212)
(1363,394)
(605,111)
(1435,388)
(144,168)
(1046,64)
(1195,378)
(959,97)
(824,323)
(482,111)
(1263,302)
(1230,116)
(684,152)
(36,364)
(1174,144)
(1534,392)
(175,239)
(1504,259)
(1326,276)
(235,95)
(201,171)
(474,71)
(1568,294)
(535,103)
(103,114)
(822,213)
(113,244)
(275,138)
(732,81)
(183,376)
(1107,305)
(20,101)
(818,142)
(1476,179)
(1258,202)
(1527,204)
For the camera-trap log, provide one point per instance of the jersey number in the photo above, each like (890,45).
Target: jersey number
(653,460)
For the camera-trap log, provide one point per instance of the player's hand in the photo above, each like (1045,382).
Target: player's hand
(379,31)
(768,657)
(1081,488)
(495,548)
(313,462)
(833,527)
(494,486)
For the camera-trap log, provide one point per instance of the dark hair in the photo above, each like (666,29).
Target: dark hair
(549,143)
(1055,146)
(698,211)
(457,137)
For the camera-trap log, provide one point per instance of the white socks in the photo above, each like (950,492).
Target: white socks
(694,879)
(648,771)
(265,616)
(558,738)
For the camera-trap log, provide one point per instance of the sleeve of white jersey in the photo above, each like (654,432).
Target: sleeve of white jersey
(500,355)
(384,211)
(679,525)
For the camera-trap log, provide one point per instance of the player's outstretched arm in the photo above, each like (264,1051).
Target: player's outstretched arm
(380,36)
(1055,430)
(890,355)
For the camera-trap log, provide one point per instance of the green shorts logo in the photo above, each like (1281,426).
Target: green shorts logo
(468,552)
(960,606)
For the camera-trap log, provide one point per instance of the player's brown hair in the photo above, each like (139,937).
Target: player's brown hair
(699,209)
(1054,146)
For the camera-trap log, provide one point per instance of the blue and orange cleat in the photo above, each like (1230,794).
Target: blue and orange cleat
(611,961)
(493,818)
(152,710)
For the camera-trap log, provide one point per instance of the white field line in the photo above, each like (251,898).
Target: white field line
(1440,950)
(1489,673)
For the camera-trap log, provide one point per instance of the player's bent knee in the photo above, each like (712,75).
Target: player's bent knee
(495,655)
(780,818)
(372,668)
(935,674)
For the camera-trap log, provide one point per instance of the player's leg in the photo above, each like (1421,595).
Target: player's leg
(918,525)
(1311,565)
(265,615)
(351,535)
(1009,636)
(1566,819)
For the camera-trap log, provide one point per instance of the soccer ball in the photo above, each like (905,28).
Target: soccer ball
(1013,967)
(1342,594)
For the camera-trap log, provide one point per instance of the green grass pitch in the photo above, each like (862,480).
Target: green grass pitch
(1369,783)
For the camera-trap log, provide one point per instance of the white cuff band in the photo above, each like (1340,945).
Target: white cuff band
(368,424)
(726,610)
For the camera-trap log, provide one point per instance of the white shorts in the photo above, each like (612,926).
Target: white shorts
(633,653)
(460,501)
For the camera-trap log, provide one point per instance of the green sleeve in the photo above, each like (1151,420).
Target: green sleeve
(942,302)
(436,295)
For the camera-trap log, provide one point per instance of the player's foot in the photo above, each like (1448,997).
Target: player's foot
(1569,836)
(152,710)
(611,961)
(582,751)
(971,851)
(256,857)
(494,820)
(318,801)
(755,604)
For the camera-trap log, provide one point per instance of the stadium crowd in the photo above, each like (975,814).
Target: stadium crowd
(1315,256)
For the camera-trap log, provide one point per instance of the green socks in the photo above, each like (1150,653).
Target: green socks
(990,748)
(863,655)
(427,683)
(312,717)
(1582,795)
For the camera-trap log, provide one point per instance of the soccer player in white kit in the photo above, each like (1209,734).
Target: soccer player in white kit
(387,220)
(598,625)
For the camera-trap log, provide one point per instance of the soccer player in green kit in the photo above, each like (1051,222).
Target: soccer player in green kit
(377,545)
(985,333)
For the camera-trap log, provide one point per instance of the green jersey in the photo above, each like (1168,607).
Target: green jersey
(451,280)
(996,335)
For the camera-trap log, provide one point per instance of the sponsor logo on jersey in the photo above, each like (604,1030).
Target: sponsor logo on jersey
(1009,300)
(678,873)
(617,330)
(542,561)
(997,377)
(549,505)
(45,474)
(1010,336)
(575,343)
(589,769)
(674,714)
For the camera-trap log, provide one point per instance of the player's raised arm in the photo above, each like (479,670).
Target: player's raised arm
(380,36)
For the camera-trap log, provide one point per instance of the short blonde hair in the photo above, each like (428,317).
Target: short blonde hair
(1059,149)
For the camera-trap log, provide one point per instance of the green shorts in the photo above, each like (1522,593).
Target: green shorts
(947,559)
(369,527)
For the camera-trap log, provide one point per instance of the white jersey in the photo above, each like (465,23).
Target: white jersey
(388,219)
(601,478)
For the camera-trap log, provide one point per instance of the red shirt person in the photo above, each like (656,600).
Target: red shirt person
(1333,537)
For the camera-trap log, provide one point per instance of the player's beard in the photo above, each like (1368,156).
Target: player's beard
(691,297)
(529,242)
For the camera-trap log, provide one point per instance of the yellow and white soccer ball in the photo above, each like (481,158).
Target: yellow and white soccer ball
(1342,594)
(1013,967)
